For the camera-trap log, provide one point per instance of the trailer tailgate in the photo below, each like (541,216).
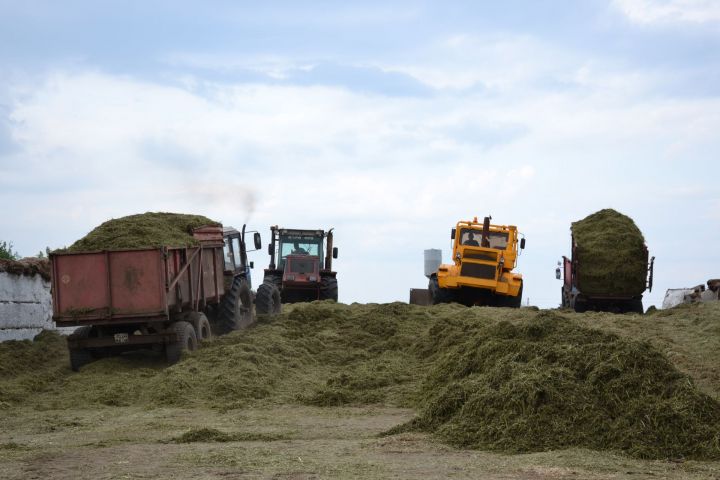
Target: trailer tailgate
(109,284)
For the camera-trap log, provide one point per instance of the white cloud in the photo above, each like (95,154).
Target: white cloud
(670,11)
(391,174)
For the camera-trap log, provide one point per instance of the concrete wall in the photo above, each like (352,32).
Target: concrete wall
(25,306)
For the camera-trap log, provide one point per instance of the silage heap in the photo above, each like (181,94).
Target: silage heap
(611,254)
(145,230)
(508,380)
(549,383)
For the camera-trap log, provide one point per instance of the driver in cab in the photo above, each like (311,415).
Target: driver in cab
(298,250)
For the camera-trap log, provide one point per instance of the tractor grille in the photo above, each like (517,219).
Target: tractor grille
(302,266)
(478,270)
(489,256)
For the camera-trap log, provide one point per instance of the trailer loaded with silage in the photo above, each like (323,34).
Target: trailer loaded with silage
(608,269)
(151,281)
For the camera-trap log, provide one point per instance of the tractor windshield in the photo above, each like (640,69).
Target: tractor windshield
(472,237)
(300,245)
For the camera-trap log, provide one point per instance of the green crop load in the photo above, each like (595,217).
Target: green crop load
(611,255)
(146,230)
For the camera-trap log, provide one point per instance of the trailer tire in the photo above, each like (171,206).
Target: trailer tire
(186,340)
(267,300)
(201,324)
(236,307)
(80,356)
(580,305)
(636,306)
(328,288)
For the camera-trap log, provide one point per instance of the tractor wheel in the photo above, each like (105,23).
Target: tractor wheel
(186,340)
(80,356)
(516,302)
(273,279)
(267,300)
(328,288)
(437,294)
(235,310)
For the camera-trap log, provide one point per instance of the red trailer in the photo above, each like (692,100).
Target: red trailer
(154,297)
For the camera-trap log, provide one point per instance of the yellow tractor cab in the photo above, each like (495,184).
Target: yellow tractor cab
(484,256)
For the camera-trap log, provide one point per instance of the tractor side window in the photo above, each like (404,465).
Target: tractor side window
(228,255)
(236,250)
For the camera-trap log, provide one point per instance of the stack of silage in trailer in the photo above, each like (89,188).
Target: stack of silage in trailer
(146,230)
(611,255)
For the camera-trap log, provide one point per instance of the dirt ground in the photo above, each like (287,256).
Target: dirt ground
(293,442)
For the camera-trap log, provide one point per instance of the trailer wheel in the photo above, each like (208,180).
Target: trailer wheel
(267,300)
(186,340)
(80,356)
(202,326)
(328,288)
(636,306)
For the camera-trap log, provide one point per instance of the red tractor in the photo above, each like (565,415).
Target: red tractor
(303,271)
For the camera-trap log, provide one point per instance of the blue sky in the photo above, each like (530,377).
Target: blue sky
(388,120)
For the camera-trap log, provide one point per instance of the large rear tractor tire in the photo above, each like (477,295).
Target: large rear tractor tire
(236,308)
(267,300)
(328,288)
(186,340)
(80,356)
(437,294)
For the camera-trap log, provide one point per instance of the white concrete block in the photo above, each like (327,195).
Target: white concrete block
(24,315)
(23,288)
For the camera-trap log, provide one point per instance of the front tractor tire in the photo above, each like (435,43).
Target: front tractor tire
(516,302)
(267,300)
(437,294)
(329,288)
(236,307)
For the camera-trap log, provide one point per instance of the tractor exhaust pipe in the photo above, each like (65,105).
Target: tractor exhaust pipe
(485,241)
(329,252)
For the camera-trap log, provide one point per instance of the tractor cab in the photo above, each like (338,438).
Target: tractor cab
(300,268)
(235,253)
(305,245)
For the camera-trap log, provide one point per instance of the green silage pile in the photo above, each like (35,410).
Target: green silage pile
(508,380)
(146,230)
(549,383)
(611,254)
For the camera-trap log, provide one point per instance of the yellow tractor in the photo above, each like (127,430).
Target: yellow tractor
(484,256)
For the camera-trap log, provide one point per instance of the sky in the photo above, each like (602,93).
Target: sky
(387,120)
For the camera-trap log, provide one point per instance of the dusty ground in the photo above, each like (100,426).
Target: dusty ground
(299,443)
